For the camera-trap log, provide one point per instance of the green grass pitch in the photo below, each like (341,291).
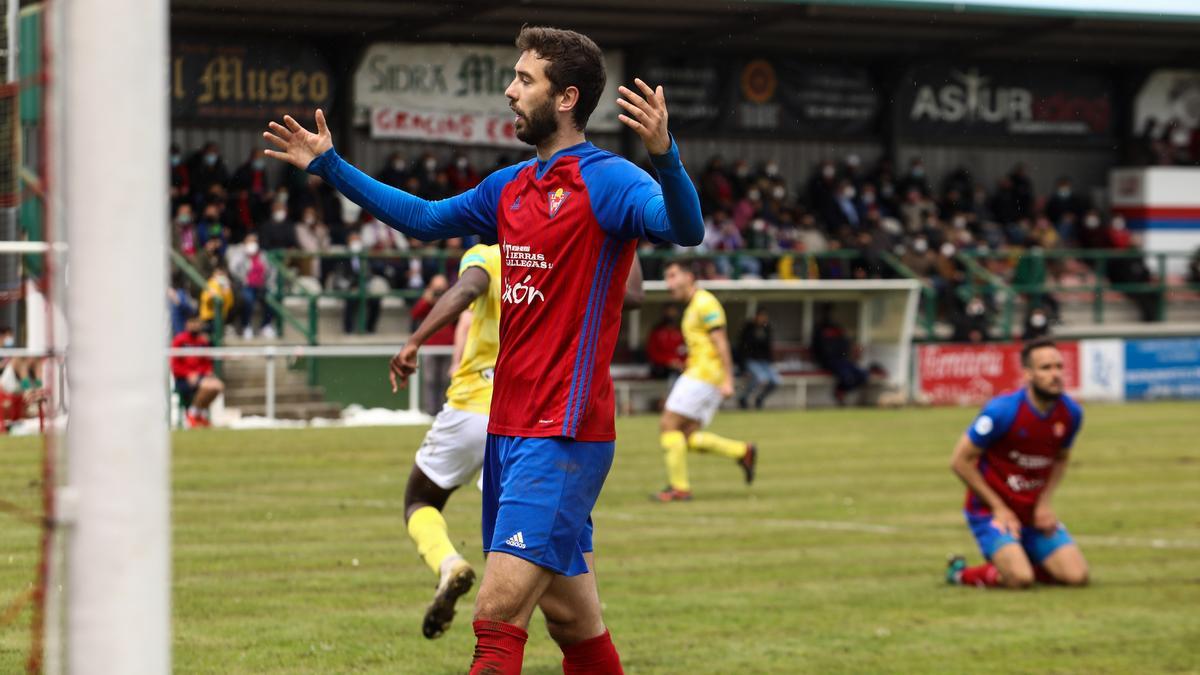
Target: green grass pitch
(290,554)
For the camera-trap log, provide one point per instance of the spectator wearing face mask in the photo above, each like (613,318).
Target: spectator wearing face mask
(435,368)
(195,382)
(279,232)
(665,348)
(348,275)
(741,179)
(842,211)
(462,175)
(394,171)
(971,325)
(217,287)
(748,208)
(1065,201)
(716,190)
(256,277)
(822,187)
(1037,324)
(211,228)
(916,178)
(181,182)
(206,169)
(251,194)
(1022,186)
(184,237)
(312,236)
(180,305)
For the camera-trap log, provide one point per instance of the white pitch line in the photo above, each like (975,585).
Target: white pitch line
(699,521)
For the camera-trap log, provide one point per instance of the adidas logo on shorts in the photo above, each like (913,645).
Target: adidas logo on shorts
(516,541)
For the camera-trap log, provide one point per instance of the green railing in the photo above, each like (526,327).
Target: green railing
(181,263)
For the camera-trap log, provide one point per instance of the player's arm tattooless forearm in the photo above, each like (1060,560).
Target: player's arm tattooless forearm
(472,284)
(634,292)
(461,331)
(963,463)
(675,216)
(1055,477)
(415,217)
(720,340)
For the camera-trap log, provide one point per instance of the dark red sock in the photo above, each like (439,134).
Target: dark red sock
(594,656)
(1043,576)
(980,575)
(499,648)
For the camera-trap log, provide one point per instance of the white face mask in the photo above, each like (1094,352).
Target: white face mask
(310,220)
(1037,320)
(960,222)
(920,246)
(948,250)
(251,247)
(848,193)
(772,170)
(828,171)
(1091,222)
(778,193)
(753,195)
(758,225)
(461,163)
(278,216)
(430,164)
(9,341)
(398,165)
(281,197)
(356,246)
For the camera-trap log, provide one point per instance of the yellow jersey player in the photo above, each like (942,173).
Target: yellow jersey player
(706,381)
(452,452)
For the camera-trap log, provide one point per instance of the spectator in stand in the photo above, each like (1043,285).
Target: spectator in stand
(916,179)
(1065,201)
(395,171)
(1194,268)
(852,171)
(833,351)
(180,304)
(1004,204)
(194,380)
(822,187)
(1037,324)
(210,227)
(665,348)
(217,287)
(279,232)
(379,238)
(256,277)
(971,325)
(436,367)
(426,172)
(347,277)
(948,274)
(462,175)
(716,190)
(251,194)
(184,237)
(842,209)
(181,184)
(755,347)
(312,236)
(1022,187)
(1131,270)
(206,169)
(916,210)
(742,179)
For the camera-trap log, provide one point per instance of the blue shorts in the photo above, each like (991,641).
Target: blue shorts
(1037,545)
(538,495)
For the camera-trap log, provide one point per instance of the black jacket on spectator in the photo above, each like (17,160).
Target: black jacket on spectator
(755,342)
(278,235)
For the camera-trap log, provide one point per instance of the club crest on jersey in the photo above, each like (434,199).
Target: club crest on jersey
(1060,429)
(516,204)
(556,200)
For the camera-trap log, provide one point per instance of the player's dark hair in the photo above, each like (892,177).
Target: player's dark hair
(684,264)
(574,61)
(1034,345)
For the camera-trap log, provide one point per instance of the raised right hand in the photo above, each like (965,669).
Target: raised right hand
(298,146)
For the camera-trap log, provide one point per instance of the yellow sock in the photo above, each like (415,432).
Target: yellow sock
(703,441)
(427,528)
(675,445)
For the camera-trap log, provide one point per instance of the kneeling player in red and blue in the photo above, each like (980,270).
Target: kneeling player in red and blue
(1012,460)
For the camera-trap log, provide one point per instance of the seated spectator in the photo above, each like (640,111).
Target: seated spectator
(256,277)
(179,303)
(217,287)
(280,231)
(21,387)
(184,237)
(312,236)
(435,367)
(833,351)
(462,175)
(971,325)
(1037,324)
(193,375)
(205,169)
(395,171)
(665,348)
(756,351)
(347,276)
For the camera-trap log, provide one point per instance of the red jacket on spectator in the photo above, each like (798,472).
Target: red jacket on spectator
(183,367)
(445,336)
(664,346)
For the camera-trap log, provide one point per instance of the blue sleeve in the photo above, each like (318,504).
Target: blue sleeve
(472,212)
(629,205)
(993,421)
(1076,423)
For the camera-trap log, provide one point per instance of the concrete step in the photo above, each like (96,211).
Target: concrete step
(294,411)
(258,395)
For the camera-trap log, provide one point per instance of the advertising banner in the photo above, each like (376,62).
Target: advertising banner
(982,102)
(456,78)
(966,374)
(251,82)
(1165,368)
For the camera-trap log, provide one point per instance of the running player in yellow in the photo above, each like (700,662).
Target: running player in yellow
(706,381)
(452,452)
(454,446)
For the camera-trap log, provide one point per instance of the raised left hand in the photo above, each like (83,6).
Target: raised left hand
(646,114)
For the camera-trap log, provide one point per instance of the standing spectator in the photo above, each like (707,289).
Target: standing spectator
(716,190)
(184,237)
(462,175)
(435,368)
(194,380)
(1064,201)
(972,324)
(256,277)
(312,236)
(842,210)
(251,195)
(665,348)
(348,277)
(822,187)
(181,183)
(741,179)
(217,287)
(833,351)
(916,179)
(755,348)
(210,227)
(1023,194)
(206,169)
(180,304)
(1037,324)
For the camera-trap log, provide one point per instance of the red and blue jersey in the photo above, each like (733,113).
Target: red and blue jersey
(567,229)
(1021,446)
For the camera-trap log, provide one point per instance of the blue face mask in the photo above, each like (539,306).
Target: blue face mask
(175,160)
(210,159)
(259,164)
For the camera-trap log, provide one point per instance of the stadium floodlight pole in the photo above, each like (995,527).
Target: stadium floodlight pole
(116,491)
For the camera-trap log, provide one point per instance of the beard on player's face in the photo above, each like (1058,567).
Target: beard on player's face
(538,124)
(1049,390)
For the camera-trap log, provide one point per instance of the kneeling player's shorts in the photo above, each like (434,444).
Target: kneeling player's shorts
(453,448)
(694,399)
(1038,545)
(538,495)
